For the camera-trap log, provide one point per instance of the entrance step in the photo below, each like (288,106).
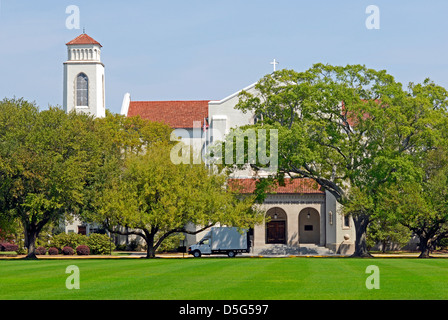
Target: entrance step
(313,249)
(282,250)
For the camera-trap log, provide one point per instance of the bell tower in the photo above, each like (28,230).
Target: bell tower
(84,88)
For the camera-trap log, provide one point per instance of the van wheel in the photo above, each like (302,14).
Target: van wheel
(231,254)
(197,254)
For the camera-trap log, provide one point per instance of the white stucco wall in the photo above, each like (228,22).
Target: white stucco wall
(337,232)
(95,72)
(223,116)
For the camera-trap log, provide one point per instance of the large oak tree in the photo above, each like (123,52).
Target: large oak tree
(153,198)
(422,204)
(349,128)
(46,159)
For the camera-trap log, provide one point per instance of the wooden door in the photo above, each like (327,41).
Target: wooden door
(276,232)
(82,230)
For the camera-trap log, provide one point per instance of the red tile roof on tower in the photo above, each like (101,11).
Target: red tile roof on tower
(84,39)
(292,186)
(176,114)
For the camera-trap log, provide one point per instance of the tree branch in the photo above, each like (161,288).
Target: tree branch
(179,230)
(125,233)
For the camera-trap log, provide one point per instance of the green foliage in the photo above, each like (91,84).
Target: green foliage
(100,244)
(72,240)
(44,238)
(46,159)
(10,228)
(347,126)
(155,198)
(171,243)
(443,243)
(120,137)
(352,129)
(388,232)
(134,245)
(422,206)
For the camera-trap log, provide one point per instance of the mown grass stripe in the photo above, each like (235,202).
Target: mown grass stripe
(224,279)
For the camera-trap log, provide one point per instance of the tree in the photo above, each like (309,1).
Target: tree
(9,228)
(387,231)
(348,128)
(154,199)
(119,137)
(45,159)
(422,206)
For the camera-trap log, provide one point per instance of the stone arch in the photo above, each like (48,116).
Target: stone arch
(309,226)
(277,226)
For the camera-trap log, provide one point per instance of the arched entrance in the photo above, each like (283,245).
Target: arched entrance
(276,227)
(309,226)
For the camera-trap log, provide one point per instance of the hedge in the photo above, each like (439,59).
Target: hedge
(53,251)
(72,240)
(100,244)
(41,251)
(8,247)
(68,251)
(82,251)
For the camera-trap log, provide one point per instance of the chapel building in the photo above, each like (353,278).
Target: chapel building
(304,218)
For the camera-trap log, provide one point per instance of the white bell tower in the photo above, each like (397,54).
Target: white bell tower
(84,88)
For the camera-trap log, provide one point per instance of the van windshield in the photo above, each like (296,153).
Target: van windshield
(206,238)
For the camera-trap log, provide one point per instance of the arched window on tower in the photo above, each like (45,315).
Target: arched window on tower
(82,90)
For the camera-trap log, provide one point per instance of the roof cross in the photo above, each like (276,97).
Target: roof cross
(275,63)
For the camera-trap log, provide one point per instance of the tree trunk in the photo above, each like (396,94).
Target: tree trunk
(384,243)
(150,248)
(30,242)
(424,247)
(361,222)
(150,251)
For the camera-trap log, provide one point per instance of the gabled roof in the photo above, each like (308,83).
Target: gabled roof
(292,186)
(176,114)
(233,95)
(84,39)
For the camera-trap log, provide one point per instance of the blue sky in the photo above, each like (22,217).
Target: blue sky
(209,49)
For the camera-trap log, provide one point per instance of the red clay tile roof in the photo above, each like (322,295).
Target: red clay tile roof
(177,114)
(292,186)
(83,39)
(351,117)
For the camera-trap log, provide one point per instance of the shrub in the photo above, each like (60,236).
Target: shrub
(171,243)
(444,243)
(8,247)
(53,251)
(121,247)
(68,251)
(72,240)
(41,251)
(22,250)
(82,250)
(134,245)
(100,244)
(44,239)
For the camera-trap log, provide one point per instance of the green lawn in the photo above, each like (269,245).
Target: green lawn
(225,279)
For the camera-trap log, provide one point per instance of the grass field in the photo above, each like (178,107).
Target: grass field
(225,279)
